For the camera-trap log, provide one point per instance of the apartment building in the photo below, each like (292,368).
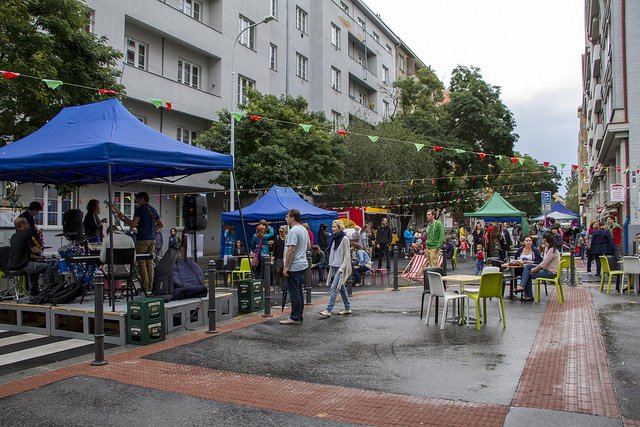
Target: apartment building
(337,54)
(610,114)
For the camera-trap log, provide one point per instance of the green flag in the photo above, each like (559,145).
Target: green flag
(419,146)
(374,138)
(237,116)
(53,84)
(459,151)
(305,127)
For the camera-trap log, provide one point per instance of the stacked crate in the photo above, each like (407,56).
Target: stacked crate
(145,321)
(250,297)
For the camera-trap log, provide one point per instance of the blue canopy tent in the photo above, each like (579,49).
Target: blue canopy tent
(98,143)
(273,207)
(559,212)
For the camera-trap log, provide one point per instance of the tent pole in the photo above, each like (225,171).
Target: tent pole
(99,290)
(244,229)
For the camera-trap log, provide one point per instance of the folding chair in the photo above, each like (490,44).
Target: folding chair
(415,269)
(123,257)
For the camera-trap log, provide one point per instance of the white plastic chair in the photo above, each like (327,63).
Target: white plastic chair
(490,270)
(630,268)
(437,290)
(485,270)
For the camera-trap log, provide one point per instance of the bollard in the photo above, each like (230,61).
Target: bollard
(307,279)
(211,311)
(266,283)
(395,268)
(572,264)
(210,270)
(443,249)
(349,286)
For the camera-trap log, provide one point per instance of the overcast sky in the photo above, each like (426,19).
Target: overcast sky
(531,49)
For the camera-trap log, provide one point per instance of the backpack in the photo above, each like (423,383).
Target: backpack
(58,293)
(188,279)
(163,279)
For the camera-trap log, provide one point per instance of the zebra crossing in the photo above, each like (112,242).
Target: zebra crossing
(20,351)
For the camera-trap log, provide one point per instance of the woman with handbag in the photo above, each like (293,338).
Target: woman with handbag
(339,268)
(260,247)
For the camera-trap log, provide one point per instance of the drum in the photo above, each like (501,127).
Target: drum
(62,266)
(69,251)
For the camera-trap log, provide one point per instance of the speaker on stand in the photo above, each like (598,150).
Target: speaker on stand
(72,227)
(194,214)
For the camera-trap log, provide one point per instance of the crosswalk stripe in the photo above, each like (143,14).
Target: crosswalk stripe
(19,338)
(43,350)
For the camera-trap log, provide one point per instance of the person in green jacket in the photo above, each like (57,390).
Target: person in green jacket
(435,237)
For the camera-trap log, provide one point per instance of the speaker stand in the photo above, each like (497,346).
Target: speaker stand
(195,247)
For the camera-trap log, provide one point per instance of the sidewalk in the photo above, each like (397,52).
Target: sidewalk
(571,363)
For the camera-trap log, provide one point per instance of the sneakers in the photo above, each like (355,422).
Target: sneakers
(325,313)
(290,322)
(343,312)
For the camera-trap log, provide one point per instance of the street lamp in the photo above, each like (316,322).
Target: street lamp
(266,19)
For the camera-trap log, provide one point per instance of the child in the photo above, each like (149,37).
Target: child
(479,259)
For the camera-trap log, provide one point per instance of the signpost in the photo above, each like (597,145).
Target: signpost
(545,201)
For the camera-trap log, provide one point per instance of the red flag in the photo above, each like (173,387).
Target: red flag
(9,74)
(168,105)
(514,160)
(107,92)
(342,132)
(546,164)
(618,168)
(433,181)
(574,167)
(437,148)
(482,155)
(255,117)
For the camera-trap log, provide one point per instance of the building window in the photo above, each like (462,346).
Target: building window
(192,8)
(136,54)
(244,84)
(389,49)
(361,23)
(301,66)
(186,135)
(142,119)
(401,63)
(301,20)
(362,98)
(179,202)
(188,74)
(385,74)
(335,36)
(335,78)
(336,118)
(344,7)
(385,109)
(376,36)
(124,201)
(274,8)
(273,57)
(91,22)
(248,37)
(53,206)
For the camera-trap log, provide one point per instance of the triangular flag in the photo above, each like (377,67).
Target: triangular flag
(546,164)
(482,155)
(53,84)
(606,170)
(342,132)
(437,148)
(486,178)
(626,170)
(618,168)
(306,128)
(514,160)
(373,138)
(521,160)
(459,151)
(500,156)
(433,181)
(107,92)
(238,115)
(157,102)
(9,74)
(254,117)
(562,165)
(575,167)
(381,184)
(168,105)
(418,146)
(411,183)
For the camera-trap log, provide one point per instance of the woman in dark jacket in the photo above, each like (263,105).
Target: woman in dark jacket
(92,224)
(601,244)
(478,236)
(527,254)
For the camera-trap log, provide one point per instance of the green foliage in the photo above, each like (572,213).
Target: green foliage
(47,39)
(571,199)
(270,152)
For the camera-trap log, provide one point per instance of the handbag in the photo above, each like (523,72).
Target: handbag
(255,261)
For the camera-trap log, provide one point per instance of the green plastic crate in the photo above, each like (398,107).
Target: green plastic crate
(142,333)
(145,309)
(249,305)
(249,288)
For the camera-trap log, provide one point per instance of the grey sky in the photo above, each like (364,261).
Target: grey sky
(530,49)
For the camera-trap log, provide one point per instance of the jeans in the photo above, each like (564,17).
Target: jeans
(358,271)
(527,278)
(34,269)
(146,267)
(384,253)
(407,248)
(334,291)
(294,285)
(320,268)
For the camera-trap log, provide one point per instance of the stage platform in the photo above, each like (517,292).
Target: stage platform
(75,320)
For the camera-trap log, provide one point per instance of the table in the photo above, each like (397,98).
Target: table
(513,279)
(462,279)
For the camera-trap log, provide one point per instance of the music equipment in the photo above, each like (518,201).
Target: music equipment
(72,224)
(95,259)
(194,212)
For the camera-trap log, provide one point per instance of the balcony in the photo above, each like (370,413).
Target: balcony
(594,29)
(595,65)
(597,98)
(589,108)
(598,136)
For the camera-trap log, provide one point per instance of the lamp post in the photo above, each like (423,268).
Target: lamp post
(232,204)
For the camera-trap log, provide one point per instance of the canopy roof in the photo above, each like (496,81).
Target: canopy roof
(274,205)
(559,212)
(77,146)
(497,207)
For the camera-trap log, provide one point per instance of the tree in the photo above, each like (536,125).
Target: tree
(47,39)
(273,149)
(571,198)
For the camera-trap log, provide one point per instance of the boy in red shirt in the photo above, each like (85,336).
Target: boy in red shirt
(479,259)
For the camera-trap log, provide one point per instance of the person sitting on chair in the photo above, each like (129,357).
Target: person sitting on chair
(318,263)
(24,255)
(29,214)
(361,266)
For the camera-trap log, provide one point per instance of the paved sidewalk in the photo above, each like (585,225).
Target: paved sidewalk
(380,366)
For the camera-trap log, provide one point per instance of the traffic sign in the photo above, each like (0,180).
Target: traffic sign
(545,201)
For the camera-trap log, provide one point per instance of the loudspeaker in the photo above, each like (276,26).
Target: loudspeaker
(72,224)
(194,212)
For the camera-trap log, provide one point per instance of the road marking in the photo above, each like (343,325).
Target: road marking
(19,338)
(43,350)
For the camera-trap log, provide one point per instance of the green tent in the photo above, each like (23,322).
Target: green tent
(497,209)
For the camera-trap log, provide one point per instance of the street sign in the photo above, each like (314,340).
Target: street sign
(545,201)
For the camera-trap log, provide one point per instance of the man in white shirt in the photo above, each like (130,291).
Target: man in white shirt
(295,265)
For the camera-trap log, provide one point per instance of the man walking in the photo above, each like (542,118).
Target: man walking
(295,265)
(383,239)
(435,237)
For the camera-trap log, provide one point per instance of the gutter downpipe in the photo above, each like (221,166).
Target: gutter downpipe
(626,120)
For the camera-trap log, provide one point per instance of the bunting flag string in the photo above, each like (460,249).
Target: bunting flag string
(54,83)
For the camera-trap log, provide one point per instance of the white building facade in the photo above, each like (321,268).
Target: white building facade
(338,55)
(610,115)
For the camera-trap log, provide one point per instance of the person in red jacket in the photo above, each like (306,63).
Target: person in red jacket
(616,233)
